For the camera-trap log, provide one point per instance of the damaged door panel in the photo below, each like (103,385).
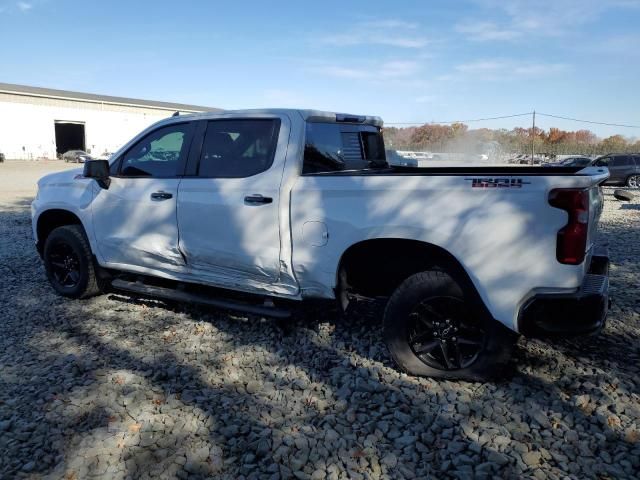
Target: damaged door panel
(137,214)
(228,212)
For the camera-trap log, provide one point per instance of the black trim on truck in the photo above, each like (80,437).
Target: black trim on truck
(581,313)
(512,171)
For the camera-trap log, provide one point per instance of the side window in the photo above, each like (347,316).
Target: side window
(158,154)
(332,146)
(603,162)
(619,161)
(238,148)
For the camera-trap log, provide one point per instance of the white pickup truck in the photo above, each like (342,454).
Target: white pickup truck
(259,210)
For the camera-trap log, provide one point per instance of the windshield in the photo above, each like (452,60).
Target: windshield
(336,146)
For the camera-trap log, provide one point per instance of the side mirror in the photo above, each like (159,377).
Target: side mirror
(98,169)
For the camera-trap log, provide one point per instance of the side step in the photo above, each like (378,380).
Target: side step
(188,297)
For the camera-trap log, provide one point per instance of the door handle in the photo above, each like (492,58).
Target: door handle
(257,199)
(161,196)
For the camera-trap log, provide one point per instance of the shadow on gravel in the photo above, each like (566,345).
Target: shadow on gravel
(630,206)
(146,389)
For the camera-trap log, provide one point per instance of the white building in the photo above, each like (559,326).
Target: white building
(42,123)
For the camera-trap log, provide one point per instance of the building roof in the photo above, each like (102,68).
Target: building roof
(94,98)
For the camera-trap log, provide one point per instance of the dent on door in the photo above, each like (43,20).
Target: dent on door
(134,228)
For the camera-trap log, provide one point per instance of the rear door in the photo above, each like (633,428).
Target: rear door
(134,219)
(619,168)
(228,204)
(618,165)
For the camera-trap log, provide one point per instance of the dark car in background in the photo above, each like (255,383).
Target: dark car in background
(576,162)
(1,157)
(624,168)
(76,156)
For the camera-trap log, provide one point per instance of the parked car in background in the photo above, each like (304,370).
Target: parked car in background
(578,161)
(1,157)
(76,156)
(104,156)
(624,168)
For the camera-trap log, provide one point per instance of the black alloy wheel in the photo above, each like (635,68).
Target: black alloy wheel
(69,263)
(64,264)
(441,335)
(435,328)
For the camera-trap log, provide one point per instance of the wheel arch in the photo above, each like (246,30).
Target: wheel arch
(376,267)
(51,219)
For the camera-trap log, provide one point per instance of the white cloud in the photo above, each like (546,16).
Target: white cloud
(501,69)
(24,6)
(384,70)
(399,69)
(482,66)
(484,31)
(357,38)
(392,23)
(392,33)
(525,18)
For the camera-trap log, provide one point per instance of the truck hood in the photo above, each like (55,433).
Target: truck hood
(58,178)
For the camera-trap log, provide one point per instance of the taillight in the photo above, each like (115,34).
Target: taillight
(572,238)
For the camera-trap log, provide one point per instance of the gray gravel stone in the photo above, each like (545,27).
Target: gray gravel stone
(113,386)
(531,458)
(389,460)
(497,457)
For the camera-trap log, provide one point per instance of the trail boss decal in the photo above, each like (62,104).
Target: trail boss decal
(497,182)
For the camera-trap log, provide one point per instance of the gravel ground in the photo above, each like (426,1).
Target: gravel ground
(113,387)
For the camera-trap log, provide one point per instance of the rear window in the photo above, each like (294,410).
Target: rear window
(331,147)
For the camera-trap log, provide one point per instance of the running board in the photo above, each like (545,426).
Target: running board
(182,296)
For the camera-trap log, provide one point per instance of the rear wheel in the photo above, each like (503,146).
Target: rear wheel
(69,263)
(633,181)
(432,329)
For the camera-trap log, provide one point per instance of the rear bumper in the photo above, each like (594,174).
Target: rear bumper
(569,315)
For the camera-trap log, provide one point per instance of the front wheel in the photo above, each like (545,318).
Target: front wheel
(432,329)
(633,181)
(69,263)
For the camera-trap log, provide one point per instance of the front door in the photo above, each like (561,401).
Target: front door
(228,210)
(135,218)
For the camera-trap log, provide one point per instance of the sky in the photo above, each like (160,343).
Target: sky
(407,61)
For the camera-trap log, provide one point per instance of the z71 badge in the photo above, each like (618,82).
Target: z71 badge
(497,182)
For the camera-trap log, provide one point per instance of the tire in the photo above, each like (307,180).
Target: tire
(623,195)
(428,315)
(69,263)
(633,181)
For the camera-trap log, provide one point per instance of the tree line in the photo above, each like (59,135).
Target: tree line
(458,137)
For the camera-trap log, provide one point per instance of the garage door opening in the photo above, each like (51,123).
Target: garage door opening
(69,136)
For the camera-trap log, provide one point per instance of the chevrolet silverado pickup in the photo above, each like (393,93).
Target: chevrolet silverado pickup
(261,210)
